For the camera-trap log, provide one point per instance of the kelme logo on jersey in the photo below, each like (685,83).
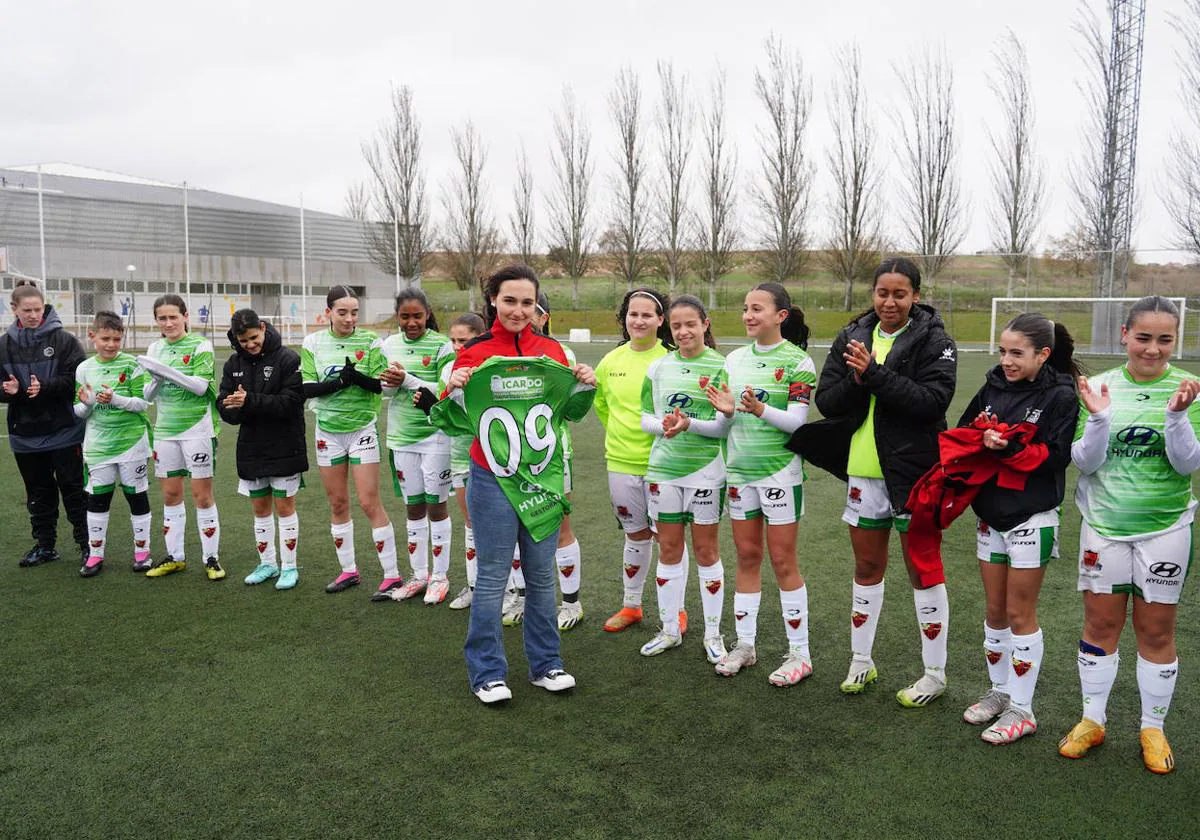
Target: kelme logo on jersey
(516,387)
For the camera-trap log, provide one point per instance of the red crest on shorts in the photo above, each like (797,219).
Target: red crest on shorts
(993,656)
(713,586)
(337,542)
(262,546)
(154,455)
(516,564)
(653,489)
(425,360)
(1021,667)
(983,528)
(794,623)
(932,631)
(733,493)
(1090,558)
(623,511)
(321,444)
(291,544)
(631,570)
(660,581)
(470,554)
(704,380)
(378,546)
(858,619)
(567,571)
(855,494)
(358,354)
(399,475)
(208,532)
(412,548)
(779,372)
(97,543)
(187,358)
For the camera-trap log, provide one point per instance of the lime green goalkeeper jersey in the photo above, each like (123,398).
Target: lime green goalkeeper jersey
(424,358)
(180,414)
(516,408)
(780,376)
(321,358)
(619,378)
(1136,491)
(673,382)
(113,434)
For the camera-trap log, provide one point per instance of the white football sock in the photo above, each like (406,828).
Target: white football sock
(209,527)
(795,619)
(418,547)
(635,566)
(712,596)
(343,544)
(264,538)
(97,533)
(1096,677)
(997,650)
(933,615)
(174,523)
(469,552)
(140,522)
(568,559)
(439,544)
(745,614)
(385,546)
(289,537)
(864,619)
(1156,684)
(1026,664)
(670,581)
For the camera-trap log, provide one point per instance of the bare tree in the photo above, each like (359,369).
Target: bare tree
(1018,179)
(570,201)
(675,119)
(521,219)
(1076,248)
(782,195)
(392,206)
(472,243)
(717,223)
(856,209)
(1183,164)
(629,220)
(933,209)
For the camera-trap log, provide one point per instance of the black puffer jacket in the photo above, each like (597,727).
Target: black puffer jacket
(912,390)
(271,439)
(1049,402)
(50,353)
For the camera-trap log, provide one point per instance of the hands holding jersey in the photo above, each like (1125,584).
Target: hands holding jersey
(461,376)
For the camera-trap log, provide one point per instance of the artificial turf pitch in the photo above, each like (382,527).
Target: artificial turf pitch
(178,707)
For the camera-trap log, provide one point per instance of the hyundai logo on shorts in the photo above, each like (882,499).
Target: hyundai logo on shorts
(1166,570)
(1138,436)
(774,494)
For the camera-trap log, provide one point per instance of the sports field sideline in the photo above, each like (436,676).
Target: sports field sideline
(184,708)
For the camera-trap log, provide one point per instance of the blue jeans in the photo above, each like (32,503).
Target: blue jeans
(498,531)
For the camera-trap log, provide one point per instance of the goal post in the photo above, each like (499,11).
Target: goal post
(1078,315)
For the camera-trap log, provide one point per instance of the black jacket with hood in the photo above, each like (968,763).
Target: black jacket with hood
(912,390)
(271,439)
(1049,402)
(46,422)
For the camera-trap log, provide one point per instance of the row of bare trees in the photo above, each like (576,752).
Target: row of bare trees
(673,190)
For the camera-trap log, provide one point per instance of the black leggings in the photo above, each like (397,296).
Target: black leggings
(46,475)
(139,503)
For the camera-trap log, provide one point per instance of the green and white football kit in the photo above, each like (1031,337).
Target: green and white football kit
(185,426)
(686,473)
(116,444)
(1030,545)
(763,477)
(1137,507)
(420,452)
(346,420)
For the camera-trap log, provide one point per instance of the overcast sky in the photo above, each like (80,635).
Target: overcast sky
(271,99)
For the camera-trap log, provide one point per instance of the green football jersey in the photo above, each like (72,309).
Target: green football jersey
(516,408)
(180,414)
(321,358)
(673,382)
(567,445)
(424,359)
(113,432)
(780,376)
(1136,491)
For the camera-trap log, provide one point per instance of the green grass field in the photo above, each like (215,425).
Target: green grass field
(181,708)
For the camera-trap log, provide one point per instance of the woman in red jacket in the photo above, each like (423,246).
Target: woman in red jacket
(511,301)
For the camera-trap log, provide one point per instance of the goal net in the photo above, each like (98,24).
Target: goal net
(1094,322)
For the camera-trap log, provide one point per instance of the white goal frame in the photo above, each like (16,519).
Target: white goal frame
(1181,302)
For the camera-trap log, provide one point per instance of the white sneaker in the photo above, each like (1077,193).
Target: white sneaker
(794,669)
(515,612)
(860,675)
(989,707)
(569,614)
(494,692)
(1012,724)
(661,643)
(742,656)
(557,680)
(714,649)
(921,693)
(436,591)
(510,598)
(411,588)
(463,600)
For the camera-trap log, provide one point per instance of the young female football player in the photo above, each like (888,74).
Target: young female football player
(773,379)
(686,473)
(465,328)
(339,367)
(1136,450)
(884,390)
(420,453)
(263,394)
(1017,531)
(180,365)
(619,376)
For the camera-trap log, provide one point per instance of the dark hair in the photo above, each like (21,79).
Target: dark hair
(661,302)
(793,328)
(543,303)
(472,321)
(1152,303)
(899,265)
(1042,332)
(170,299)
(242,320)
(24,288)
(694,302)
(491,286)
(413,293)
(336,293)
(106,320)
